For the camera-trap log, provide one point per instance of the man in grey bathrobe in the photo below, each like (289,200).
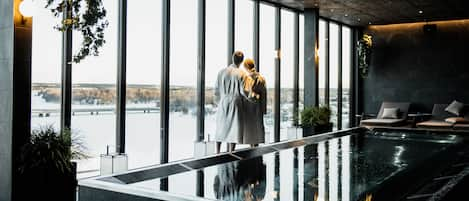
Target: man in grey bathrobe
(230,95)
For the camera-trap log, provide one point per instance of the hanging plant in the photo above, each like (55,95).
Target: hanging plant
(88,17)
(364,54)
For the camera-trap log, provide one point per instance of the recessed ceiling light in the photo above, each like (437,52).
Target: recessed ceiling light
(346,15)
(369,22)
(359,19)
(316,4)
(420,11)
(332,10)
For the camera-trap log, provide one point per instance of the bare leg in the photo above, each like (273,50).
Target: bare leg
(254,145)
(218,146)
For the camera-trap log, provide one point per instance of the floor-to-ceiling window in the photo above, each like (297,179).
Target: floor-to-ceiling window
(266,63)
(143,83)
(94,90)
(286,71)
(45,72)
(244,27)
(183,87)
(335,67)
(333,70)
(183,79)
(216,37)
(346,70)
(94,93)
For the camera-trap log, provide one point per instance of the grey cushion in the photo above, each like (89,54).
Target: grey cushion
(455,108)
(403,108)
(390,113)
(439,113)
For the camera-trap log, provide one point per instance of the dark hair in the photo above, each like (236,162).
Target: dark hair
(238,57)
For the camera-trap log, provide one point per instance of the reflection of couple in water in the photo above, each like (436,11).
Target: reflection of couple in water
(241,97)
(241,180)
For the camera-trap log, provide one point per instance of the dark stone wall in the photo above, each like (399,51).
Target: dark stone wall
(423,68)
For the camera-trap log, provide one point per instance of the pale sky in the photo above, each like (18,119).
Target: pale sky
(144,44)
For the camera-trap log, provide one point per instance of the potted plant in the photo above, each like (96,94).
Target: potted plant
(45,167)
(315,120)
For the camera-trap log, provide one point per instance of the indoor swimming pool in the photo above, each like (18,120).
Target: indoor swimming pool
(352,165)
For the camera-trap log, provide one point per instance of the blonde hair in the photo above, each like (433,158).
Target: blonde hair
(249,64)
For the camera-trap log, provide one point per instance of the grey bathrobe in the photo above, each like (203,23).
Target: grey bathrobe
(256,107)
(230,95)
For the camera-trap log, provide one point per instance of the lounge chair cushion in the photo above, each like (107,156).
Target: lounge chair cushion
(390,113)
(455,108)
(457,120)
(434,124)
(382,122)
(403,109)
(439,113)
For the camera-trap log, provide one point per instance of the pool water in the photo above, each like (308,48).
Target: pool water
(357,166)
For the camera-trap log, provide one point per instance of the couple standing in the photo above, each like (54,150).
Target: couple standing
(241,97)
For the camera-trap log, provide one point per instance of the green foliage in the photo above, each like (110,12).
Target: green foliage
(315,116)
(87,17)
(364,54)
(49,149)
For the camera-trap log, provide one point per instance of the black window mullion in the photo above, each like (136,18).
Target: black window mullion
(231,29)
(121,77)
(339,86)
(66,99)
(201,72)
(277,74)
(296,65)
(164,97)
(256,41)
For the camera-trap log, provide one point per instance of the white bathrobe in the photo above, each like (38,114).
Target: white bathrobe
(230,94)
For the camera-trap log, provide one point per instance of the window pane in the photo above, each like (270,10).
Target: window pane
(334,70)
(322,62)
(266,63)
(94,94)
(143,83)
(45,70)
(244,27)
(216,34)
(346,67)
(183,79)
(286,72)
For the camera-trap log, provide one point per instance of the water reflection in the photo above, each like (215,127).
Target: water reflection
(348,168)
(241,180)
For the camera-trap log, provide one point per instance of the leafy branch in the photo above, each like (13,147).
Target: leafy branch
(364,54)
(88,17)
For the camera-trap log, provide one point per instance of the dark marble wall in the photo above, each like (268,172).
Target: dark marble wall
(6,97)
(411,65)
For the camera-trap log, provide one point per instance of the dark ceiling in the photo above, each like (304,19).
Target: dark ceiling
(365,12)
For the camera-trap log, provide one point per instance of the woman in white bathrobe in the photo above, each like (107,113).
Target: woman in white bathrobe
(230,95)
(255,107)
